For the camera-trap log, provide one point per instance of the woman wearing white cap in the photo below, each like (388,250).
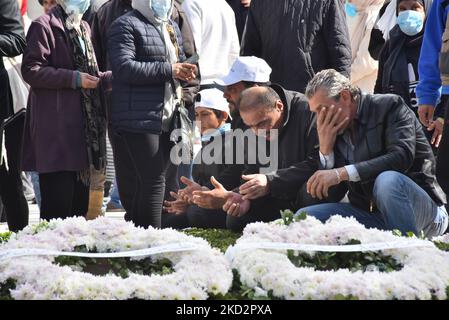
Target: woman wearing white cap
(212,118)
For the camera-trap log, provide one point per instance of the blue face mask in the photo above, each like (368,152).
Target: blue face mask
(80,5)
(351,9)
(161,8)
(411,22)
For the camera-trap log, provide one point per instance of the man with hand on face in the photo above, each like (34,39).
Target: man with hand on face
(260,197)
(375,147)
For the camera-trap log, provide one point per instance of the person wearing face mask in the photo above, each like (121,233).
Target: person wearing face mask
(146,54)
(65,126)
(398,61)
(361,16)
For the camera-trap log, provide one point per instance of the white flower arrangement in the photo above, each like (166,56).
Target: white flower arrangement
(424,273)
(197,274)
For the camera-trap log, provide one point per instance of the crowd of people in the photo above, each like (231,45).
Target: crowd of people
(219,113)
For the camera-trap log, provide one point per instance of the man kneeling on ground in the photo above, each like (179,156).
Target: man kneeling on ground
(375,147)
(280,118)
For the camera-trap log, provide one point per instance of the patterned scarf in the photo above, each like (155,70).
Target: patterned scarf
(93,112)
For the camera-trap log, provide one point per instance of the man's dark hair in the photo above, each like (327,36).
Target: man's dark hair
(249,84)
(257,97)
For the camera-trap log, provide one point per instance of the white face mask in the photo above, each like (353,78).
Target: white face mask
(75,10)
(161,8)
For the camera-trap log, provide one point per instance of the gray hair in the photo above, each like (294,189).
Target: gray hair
(257,97)
(333,83)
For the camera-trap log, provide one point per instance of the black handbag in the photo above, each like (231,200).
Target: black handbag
(182,132)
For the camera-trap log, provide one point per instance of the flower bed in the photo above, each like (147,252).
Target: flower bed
(407,273)
(175,275)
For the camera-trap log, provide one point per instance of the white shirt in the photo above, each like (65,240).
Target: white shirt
(328,162)
(215,34)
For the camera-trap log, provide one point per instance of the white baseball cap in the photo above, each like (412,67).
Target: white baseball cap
(251,69)
(212,99)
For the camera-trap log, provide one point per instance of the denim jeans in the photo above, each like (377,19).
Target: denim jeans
(37,189)
(401,204)
(115,198)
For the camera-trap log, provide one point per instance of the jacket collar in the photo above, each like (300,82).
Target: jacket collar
(362,108)
(55,18)
(286,98)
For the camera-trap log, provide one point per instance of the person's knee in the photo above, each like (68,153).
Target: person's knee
(150,182)
(321,212)
(387,183)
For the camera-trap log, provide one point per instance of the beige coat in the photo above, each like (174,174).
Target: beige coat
(363,68)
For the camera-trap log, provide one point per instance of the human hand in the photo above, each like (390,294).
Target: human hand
(245,3)
(437,127)
(319,183)
(186,194)
(328,127)
(236,206)
(425,113)
(256,187)
(211,199)
(184,71)
(177,206)
(88,81)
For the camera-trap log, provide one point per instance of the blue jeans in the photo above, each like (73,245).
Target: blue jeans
(115,198)
(401,204)
(37,189)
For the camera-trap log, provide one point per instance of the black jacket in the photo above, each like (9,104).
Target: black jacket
(391,139)
(12,43)
(298,38)
(137,54)
(240,13)
(297,151)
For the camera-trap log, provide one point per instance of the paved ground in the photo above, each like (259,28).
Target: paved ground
(34,216)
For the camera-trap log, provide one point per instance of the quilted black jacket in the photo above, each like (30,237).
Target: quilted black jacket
(298,38)
(137,55)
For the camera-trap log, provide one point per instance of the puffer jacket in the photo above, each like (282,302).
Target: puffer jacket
(298,38)
(137,55)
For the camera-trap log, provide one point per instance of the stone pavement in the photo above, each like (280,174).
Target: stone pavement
(34,216)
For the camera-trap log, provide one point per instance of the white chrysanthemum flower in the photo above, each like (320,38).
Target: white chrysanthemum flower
(424,275)
(38,277)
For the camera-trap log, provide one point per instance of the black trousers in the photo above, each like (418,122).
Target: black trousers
(141,162)
(63,195)
(442,167)
(11,188)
